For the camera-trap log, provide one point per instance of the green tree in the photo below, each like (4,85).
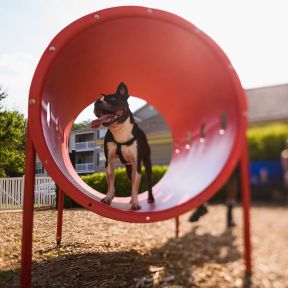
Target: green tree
(3,95)
(12,140)
(83,124)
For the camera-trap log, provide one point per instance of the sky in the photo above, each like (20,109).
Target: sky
(253,34)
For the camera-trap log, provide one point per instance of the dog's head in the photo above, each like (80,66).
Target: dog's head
(113,108)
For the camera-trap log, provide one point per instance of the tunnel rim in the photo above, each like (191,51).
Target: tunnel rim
(35,122)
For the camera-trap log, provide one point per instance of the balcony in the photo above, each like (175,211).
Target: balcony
(86,146)
(85,168)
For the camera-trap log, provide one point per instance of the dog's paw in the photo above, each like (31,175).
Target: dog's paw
(135,206)
(106,201)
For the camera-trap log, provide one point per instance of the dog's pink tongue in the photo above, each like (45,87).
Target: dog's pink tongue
(96,123)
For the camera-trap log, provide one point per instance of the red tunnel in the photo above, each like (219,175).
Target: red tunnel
(164,60)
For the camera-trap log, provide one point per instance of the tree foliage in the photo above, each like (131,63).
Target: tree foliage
(83,124)
(267,142)
(3,95)
(12,140)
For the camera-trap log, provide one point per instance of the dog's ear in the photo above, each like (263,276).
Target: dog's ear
(122,91)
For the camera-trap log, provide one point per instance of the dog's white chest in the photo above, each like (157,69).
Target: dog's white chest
(129,152)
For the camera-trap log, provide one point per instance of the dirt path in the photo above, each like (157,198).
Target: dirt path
(98,252)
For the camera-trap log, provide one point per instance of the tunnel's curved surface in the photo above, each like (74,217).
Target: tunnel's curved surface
(168,62)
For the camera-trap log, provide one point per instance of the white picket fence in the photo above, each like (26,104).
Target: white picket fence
(12,191)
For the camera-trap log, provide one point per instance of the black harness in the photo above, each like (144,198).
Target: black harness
(109,138)
(118,149)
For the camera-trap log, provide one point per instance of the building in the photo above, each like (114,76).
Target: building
(157,132)
(39,169)
(86,155)
(265,105)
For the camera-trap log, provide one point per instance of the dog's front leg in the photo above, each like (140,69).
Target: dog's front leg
(136,178)
(110,182)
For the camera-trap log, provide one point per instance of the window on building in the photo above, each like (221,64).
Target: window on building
(39,168)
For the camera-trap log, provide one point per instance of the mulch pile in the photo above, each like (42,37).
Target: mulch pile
(98,252)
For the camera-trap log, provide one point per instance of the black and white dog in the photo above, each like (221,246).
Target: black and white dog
(124,139)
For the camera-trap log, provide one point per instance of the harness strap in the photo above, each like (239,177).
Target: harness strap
(118,149)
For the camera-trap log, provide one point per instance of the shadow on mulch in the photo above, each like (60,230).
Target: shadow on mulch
(173,261)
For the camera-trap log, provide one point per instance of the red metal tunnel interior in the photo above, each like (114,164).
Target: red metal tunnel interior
(164,60)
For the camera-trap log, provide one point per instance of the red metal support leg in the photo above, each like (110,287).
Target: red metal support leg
(28,207)
(60,216)
(177,224)
(245,181)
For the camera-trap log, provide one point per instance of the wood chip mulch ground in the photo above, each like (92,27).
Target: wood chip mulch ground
(98,252)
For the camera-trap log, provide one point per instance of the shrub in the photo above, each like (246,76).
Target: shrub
(267,142)
(98,180)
